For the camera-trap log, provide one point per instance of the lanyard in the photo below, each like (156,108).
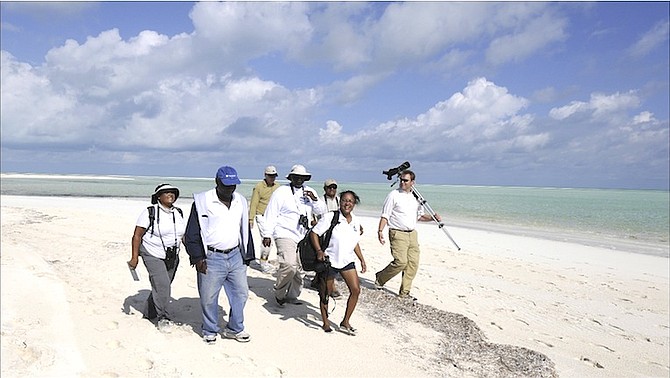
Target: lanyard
(174,225)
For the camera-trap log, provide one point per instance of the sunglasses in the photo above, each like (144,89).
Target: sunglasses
(405,180)
(331,187)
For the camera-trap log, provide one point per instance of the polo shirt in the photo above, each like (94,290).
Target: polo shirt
(221,221)
(343,240)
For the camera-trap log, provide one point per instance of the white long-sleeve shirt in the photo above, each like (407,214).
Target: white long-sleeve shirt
(283,212)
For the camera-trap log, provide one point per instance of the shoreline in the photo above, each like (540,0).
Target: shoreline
(644,247)
(537,306)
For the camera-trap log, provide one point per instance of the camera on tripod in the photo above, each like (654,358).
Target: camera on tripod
(394,171)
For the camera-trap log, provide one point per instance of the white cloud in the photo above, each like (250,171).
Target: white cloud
(644,117)
(536,34)
(484,118)
(600,106)
(657,37)
(246,30)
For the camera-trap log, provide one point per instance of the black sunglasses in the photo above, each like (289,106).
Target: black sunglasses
(405,180)
(331,186)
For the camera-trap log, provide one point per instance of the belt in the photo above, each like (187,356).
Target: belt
(220,250)
(397,229)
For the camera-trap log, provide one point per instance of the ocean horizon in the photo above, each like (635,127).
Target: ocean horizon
(638,220)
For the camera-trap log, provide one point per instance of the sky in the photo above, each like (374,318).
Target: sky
(549,94)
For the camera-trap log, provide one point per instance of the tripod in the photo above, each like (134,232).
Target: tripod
(397,171)
(426,206)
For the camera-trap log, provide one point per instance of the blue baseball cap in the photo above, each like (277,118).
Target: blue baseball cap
(228,176)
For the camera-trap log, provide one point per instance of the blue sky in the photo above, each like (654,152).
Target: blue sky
(565,94)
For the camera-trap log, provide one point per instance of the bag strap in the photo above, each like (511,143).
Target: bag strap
(333,223)
(152,216)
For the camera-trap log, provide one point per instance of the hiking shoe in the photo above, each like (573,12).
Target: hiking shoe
(165,325)
(209,339)
(242,337)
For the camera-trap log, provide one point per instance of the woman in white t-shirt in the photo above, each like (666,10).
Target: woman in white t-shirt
(342,251)
(158,233)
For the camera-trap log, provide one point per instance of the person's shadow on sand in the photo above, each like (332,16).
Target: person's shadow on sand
(184,310)
(187,310)
(303,313)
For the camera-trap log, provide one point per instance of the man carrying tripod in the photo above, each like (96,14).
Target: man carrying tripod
(400,212)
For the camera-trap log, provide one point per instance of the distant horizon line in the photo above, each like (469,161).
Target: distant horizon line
(82,176)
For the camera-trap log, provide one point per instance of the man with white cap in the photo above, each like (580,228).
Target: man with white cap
(260,196)
(330,195)
(287,219)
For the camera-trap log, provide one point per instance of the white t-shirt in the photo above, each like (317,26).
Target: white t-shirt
(345,236)
(402,210)
(164,228)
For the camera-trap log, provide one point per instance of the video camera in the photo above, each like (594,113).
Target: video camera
(394,171)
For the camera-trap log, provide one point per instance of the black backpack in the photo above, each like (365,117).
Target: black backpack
(307,252)
(152,216)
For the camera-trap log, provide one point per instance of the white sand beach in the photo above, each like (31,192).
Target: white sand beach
(505,305)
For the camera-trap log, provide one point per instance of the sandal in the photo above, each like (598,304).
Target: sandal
(351,331)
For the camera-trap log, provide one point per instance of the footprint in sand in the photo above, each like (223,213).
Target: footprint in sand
(146,364)
(497,326)
(544,343)
(113,344)
(605,347)
(591,362)
(29,354)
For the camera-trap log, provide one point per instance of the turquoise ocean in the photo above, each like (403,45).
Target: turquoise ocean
(638,219)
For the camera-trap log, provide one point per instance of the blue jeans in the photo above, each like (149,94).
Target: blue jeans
(227,271)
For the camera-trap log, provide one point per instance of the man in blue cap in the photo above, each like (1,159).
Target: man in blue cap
(219,244)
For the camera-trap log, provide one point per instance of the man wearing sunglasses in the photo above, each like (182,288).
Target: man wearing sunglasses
(400,212)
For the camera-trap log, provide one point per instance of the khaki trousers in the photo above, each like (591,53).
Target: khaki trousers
(405,252)
(289,274)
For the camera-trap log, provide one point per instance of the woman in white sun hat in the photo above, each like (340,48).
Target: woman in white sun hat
(158,233)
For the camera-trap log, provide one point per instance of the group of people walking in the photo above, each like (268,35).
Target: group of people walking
(217,237)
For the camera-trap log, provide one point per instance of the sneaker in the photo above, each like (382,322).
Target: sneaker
(242,337)
(294,301)
(209,339)
(280,302)
(266,267)
(407,297)
(378,286)
(165,325)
